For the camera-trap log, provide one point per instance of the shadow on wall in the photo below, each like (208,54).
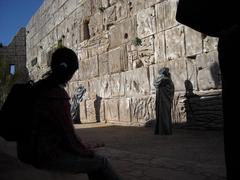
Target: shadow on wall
(216,75)
(202,112)
(97,107)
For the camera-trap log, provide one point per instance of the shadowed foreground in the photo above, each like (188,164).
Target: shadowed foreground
(138,154)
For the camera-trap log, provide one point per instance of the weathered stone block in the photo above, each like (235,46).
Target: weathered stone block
(95,24)
(146,23)
(209,76)
(142,109)
(146,51)
(82,51)
(109,16)
(104,86)
(175,43)
(128,30)
(103,44)
(103,64)
(94,88)
(135,6)
(178,70)
(69,6)
(88,68)
(117,85)
(115,37)
(124,110)
(192,73)
(159,48)
(193,42)
(116,57)
(84,9)
(121,10)
(111,110)
(91,112)
(166,15)
(136,82)
(210,44)
(83,112)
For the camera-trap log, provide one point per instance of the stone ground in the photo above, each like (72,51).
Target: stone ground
(137,154)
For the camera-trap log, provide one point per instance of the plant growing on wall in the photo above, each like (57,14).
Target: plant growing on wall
(6,80)
(137,41)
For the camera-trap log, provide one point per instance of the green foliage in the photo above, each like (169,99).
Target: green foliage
(6,80)
(137,41)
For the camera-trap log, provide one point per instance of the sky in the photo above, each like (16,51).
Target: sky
(14,15)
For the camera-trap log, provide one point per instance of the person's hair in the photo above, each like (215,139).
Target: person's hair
(64,63)
(64,60)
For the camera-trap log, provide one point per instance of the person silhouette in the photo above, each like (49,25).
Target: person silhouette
(54,143)
(220,19)
(163,104)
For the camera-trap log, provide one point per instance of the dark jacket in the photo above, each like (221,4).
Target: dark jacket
(52,128)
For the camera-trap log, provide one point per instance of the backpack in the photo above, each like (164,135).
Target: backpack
(15,114)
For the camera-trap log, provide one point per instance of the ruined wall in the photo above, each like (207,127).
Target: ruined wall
(121,44)
(15,54)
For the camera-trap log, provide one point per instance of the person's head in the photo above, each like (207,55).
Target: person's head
(164,71)
(63,65)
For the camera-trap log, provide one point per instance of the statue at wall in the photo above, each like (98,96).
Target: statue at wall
(75,103)
(164,97)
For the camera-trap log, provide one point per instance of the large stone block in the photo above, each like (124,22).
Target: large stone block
(210,44)
(124,110)
(69,7)
(104,86)
(115,37)
(159,47)
(142,109)
(209,75)
(91,111)
(83,112)
(178,70)
(111,110)
(103,64)
(84,9)
(192,73)
(146,22)
(193,41)
(82,51)
(104,43)
(95,24)
(88,68)
(121,10)
(116,60)
(109,17)
(135,6)
(122,32)
(166,15)
(146,51)
(136,82)
(117,85)
(95,110)
(175,43)
(94,88)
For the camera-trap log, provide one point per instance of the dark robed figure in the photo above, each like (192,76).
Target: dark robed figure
(164,96)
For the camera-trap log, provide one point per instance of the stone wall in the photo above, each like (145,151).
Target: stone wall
(121,44)
(15,54)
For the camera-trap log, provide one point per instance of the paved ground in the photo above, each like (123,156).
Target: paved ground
(138,154)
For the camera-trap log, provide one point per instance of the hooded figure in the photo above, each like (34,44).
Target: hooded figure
(164,96)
